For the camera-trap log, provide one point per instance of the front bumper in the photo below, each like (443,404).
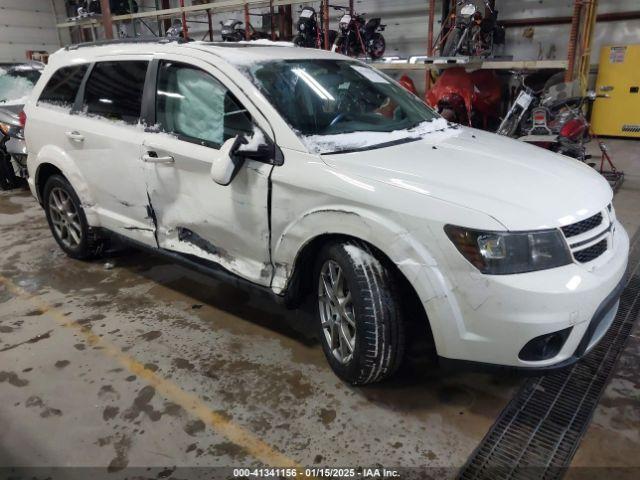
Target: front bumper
(596,330)
(489,319)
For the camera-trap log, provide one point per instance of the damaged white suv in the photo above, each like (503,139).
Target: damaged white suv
(304,172)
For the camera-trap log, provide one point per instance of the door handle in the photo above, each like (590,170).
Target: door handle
(152,157)
(75,136)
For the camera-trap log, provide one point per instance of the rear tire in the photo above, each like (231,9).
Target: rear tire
(68,222)
(360,324)
(8,178)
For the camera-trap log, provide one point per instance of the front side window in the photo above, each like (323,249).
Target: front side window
(196,107)
(62,87)
(114,90)
(336,105)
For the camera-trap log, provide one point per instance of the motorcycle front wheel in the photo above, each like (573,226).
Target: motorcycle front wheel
(377,46)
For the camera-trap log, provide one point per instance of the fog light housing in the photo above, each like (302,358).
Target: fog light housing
(544,347)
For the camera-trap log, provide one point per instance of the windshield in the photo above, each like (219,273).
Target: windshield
(16,85)
(340,105)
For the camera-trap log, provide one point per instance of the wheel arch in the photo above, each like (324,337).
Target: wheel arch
(54,161)
(302,284)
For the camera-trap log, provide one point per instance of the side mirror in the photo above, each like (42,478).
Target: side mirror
(235,151)
(226,165)
(592,95)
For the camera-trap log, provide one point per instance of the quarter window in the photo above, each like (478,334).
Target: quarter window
(114,90)
(62,87)
(195,106)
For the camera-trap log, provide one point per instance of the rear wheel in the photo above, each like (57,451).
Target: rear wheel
(8,178)
(68,222)
(359,319)
(450,46)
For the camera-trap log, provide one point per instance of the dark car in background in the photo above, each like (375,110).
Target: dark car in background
(16,82)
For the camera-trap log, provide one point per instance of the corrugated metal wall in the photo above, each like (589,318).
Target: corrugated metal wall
(28,25)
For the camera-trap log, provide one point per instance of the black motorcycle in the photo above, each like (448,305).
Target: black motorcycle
(311,31)
(232,31)
(360,37)
(471,33)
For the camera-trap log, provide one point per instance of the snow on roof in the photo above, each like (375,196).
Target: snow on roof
(235,53)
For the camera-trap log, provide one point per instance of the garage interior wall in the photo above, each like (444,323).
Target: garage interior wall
(30,25)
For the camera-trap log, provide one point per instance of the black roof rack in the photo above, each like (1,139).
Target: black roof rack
(117,41)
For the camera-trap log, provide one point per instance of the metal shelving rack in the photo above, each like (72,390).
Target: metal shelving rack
(579,41)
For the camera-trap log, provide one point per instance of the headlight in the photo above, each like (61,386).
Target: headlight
(302,26)
(504,253)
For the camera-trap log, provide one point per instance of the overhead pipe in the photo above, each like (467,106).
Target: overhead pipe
(542,21)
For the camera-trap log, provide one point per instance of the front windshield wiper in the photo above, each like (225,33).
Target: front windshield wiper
(374,147)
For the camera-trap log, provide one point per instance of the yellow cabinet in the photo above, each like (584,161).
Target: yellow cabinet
(619,78)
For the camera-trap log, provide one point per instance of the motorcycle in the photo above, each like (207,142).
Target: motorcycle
(471,33)
(553,119)
(359,37)
(232,31)
(310,30)
(89,8)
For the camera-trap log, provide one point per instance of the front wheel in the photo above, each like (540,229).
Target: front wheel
(359,318)
(377,46)
(68,222)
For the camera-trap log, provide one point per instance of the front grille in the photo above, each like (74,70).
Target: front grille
(583,226)
(591,253)
(538,433)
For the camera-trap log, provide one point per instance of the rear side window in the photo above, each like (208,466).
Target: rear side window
(62,87)
(114,90)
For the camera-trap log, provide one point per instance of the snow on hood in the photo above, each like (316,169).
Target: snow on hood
(356,140)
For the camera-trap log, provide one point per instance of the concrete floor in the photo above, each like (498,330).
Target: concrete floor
(134,361)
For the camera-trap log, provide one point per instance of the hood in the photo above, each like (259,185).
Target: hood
(522,186)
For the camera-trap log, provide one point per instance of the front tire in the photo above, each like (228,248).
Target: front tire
(377,46)
(360,324)
(68,222)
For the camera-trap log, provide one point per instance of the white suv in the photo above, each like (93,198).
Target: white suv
(304,172)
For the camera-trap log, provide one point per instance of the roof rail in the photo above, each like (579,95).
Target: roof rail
(125,41)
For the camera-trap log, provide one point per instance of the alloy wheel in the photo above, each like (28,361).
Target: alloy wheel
(65,218)
(337,314)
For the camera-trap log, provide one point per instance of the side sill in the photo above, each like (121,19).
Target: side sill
(200,265)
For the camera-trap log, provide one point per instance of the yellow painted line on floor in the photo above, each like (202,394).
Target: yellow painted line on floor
(169,390)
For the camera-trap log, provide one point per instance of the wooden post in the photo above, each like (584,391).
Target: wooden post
(272,20)
(325,18)
(185,29)
(167,23)
(350,7)
(210,24)
(573,40)
(247,23)
(432,13)
(107,24)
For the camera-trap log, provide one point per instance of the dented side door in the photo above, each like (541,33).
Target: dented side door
(194,216)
